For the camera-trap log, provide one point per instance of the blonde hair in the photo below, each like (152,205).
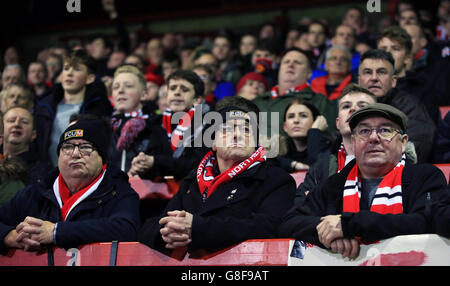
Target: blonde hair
(133,70)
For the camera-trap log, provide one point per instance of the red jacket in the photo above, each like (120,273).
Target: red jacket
(318,86)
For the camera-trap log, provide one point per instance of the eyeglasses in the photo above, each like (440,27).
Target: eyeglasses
(385,133)
(84,148)
(230,128)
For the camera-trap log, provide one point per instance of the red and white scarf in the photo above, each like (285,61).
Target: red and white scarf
(176,136)
(66,200)
(388,196)
(276,92)
(208,182)
(341,156)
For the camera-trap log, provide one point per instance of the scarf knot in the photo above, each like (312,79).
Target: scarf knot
(207,179)
(135,122)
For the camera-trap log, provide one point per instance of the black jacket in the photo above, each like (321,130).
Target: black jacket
(422,188)
(109,213)
(95,102)
(251,206)
(420,128)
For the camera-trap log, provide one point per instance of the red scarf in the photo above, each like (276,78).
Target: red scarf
(388,197)
(275,92)
(177,135)
(208,182)
(67,199)
(341,155)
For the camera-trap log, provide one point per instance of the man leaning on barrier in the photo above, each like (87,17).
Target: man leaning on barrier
(233,195)
(82,201)
(376,196)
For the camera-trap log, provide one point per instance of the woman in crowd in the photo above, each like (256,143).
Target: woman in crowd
(304,127)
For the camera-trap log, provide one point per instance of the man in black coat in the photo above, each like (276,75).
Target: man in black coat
(82,201)
(376,196)
(377,73)
(233,195)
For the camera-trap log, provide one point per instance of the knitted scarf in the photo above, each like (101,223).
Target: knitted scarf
(66,200)
(341,157)
(208,182)
(275,91)
(388,196)
(176,135)
(135,123)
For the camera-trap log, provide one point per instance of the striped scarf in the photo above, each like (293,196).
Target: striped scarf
(388,196)
(341,157)
(176,136)
(208,182)
(275,92)
(64,197)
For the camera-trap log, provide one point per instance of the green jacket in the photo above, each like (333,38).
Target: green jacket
(266,104)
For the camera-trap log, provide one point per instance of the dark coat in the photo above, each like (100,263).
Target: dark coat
(420,127)
(95,102)
(441,217)
(109,213)
(422,187)
(251,206)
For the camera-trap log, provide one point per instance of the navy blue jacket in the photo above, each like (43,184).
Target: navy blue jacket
(109,213)
(250,206)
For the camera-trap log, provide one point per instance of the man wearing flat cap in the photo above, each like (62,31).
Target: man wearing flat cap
(233,194)
(81,201)
(376,196)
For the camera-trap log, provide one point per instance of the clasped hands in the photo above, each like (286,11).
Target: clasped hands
(30,235)
(141,164)
(331,236)
(176,230)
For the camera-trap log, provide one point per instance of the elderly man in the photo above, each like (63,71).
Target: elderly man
(377,73)
(295,69)
(338,67)
(233,195)
(80,202)
(376,196)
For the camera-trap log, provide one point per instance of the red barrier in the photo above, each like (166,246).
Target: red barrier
(263,252)
(445,168)
(154,190)
(444,110)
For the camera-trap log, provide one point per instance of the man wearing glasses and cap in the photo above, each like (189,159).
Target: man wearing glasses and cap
(82,201)
(376,196)
(233,194)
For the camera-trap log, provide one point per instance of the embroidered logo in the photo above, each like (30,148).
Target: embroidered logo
(73,133)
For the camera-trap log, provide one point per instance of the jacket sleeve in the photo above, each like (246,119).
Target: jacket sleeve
(424,188)
(11,215)
(149,233)
(217,231)
(301,220)
(121,224)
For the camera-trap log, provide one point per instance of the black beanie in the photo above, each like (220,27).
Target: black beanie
(93,130)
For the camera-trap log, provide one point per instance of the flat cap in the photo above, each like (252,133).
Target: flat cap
(382,110)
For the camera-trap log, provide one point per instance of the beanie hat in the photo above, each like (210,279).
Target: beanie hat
(156,79)
(251,76)
(93,130)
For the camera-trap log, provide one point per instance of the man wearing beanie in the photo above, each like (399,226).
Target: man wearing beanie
(376,196)
(231,196)
(82,201)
